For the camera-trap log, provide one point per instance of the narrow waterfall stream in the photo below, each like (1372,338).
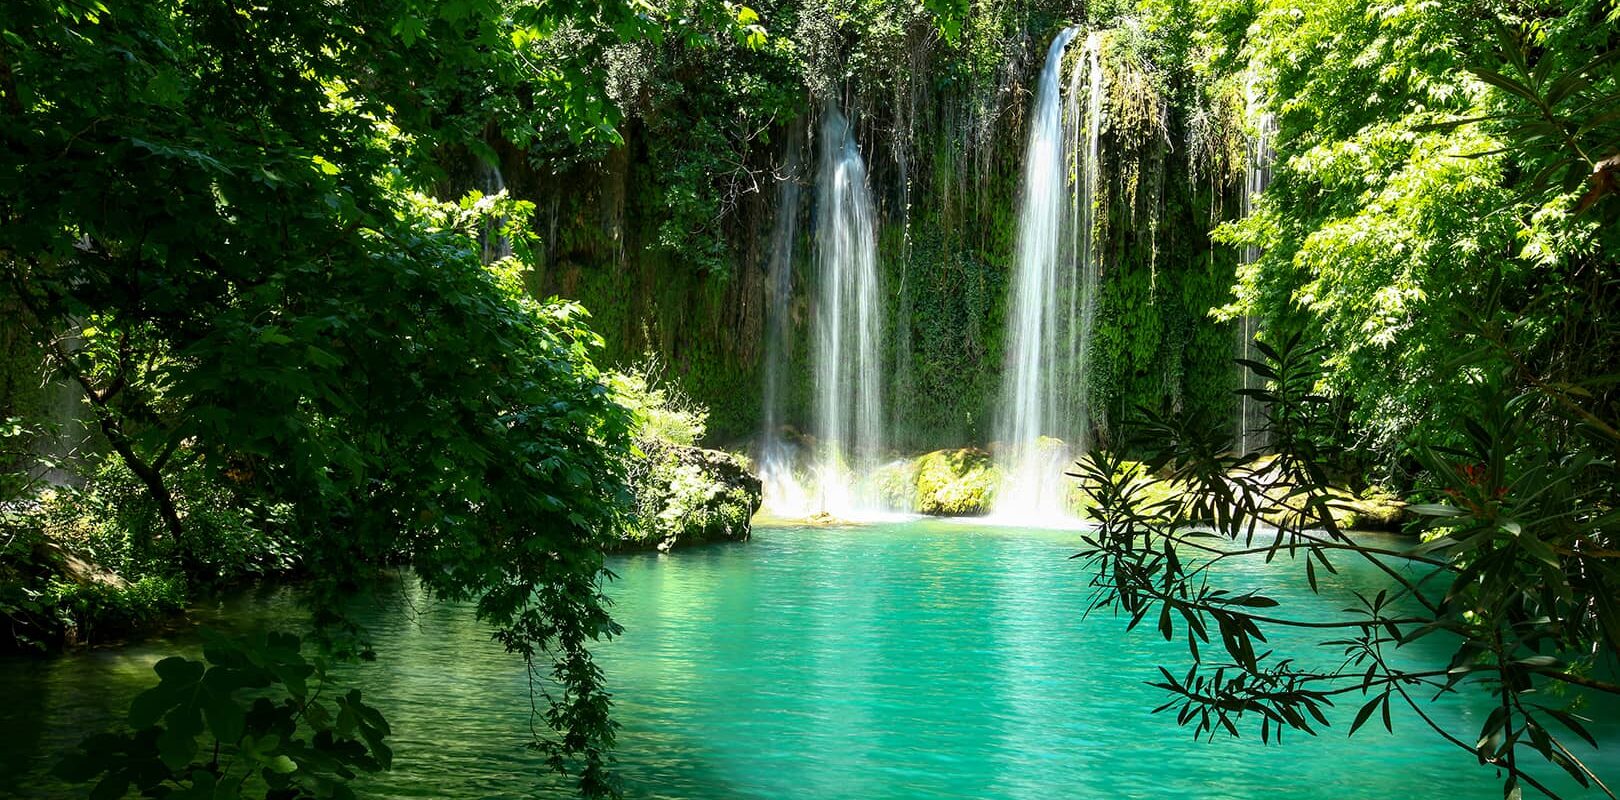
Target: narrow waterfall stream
(1083,133)
(64,444)
(782,491)
(1052,294)
(487,179)
(1251,413)
(848,323)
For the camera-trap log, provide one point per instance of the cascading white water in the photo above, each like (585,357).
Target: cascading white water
(783,494)
(64,441)
(487,180)
(1044,389)
(848,320)
(1083,134)
(1251,413)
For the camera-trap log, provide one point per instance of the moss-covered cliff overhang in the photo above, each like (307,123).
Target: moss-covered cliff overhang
(666,238)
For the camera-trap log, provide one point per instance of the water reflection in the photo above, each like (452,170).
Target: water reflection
(923,660)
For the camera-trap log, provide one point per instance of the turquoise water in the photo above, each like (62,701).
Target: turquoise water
(912,660)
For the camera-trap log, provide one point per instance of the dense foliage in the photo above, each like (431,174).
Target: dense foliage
(1437,287)
(939,117)
(680,493)
(249,720)
(211,222)
(1384,219)
(244,238)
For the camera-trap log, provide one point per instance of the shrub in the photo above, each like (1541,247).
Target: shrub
(112,521)
(680,493)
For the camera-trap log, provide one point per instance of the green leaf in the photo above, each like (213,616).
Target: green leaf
(179,672)
(111,787)
(1252,601)
(1435,510)
(80,767)
(176,748)
(408,29)
(225,717)
(149,706)
(273,335)
(1573,723)
(1365,713)
(204,786)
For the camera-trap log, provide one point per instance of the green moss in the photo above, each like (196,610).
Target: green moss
(896,483)
(1383,509)
(1375,509)
(956,483)
(680,493)
(1152,490)
(687,495)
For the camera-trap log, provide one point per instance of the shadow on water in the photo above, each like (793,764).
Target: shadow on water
(915,660)
(23,718)
(458,704)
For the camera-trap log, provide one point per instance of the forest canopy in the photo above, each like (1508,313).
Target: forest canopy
(337,286)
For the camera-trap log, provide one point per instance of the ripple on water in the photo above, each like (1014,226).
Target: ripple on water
(910,660)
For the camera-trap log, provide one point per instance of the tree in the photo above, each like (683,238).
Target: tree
(1520,559)
(226,200)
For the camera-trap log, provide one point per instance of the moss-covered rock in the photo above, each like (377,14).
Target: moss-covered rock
(896,483)
(689,495)
(53,593)
(1152,491)
(956,483)
(1375,510)
(1372,510)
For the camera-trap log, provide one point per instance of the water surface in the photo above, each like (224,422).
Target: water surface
(908,660)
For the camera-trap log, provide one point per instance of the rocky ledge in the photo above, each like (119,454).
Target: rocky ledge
(689,495)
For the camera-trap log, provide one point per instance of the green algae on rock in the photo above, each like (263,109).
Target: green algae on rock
(956,483)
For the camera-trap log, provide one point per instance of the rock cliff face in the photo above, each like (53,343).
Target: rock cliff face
(689,495)
(668,237)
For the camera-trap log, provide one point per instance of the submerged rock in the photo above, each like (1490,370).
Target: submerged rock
(689,495)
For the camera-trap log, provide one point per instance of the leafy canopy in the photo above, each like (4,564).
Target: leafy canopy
(226,200)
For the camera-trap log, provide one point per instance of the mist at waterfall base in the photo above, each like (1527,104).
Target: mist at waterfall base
(848,415)
(1043,427)
(1045,418)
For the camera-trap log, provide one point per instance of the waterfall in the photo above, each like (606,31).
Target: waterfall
(1053,295)
(848,320)
(783,493)
(1251,413)
(488,181)
(61,449)
(1083,134)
